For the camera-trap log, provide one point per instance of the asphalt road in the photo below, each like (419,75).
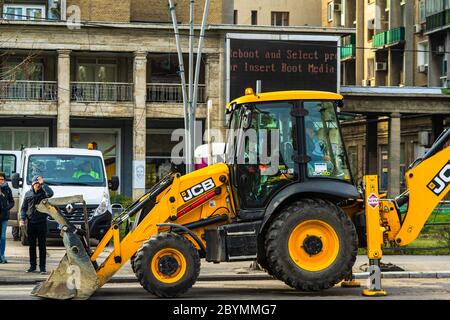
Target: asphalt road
(398,289)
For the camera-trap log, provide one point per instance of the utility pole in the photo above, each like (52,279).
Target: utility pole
(190,101)
(182,76)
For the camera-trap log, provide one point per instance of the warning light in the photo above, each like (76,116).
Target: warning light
(249,91)
(90,146)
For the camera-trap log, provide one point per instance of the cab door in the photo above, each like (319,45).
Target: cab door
(265,153)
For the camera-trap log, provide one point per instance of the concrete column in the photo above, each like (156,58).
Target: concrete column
(213,83)
(395,63)
(371,145)
(63,121)
(409,69)
(360,44)
(395,14)
(394,155)
(139,123)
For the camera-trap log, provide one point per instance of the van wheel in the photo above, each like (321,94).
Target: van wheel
(15,233)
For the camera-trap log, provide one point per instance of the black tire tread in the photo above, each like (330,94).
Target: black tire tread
(273,252)
(142,270)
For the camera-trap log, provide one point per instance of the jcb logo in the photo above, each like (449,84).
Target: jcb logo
(197,190)
(441,180)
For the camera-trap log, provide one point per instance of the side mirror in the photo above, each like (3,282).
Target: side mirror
(16,181)
(114,183)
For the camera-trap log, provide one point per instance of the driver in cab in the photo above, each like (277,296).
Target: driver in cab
(86,170)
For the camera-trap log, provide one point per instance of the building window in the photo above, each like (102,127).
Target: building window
(105,140)
(330,11)
(423,53)
(422,11)
(280,18)
(23,12)
(254,18)
(370,29)
(434,6)
(96,70)
(370,68)
(21,138)
(21,70)
(159,157)
(235,17)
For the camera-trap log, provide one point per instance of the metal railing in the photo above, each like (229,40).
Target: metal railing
(28,90)
(101,91)
(171,92)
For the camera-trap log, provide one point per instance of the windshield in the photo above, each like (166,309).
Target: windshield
(324,142)
(67,170)
(232,135)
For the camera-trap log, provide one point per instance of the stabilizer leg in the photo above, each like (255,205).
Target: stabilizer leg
(374,282)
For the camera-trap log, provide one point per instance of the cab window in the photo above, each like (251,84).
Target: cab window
(265,153)
(324,143)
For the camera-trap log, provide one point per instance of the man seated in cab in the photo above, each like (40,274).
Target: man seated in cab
(86,170)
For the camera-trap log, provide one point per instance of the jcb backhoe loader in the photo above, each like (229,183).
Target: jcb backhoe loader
(284,197)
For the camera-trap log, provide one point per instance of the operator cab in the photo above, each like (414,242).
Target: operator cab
(281,139)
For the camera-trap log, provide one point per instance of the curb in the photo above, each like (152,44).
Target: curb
(254,277)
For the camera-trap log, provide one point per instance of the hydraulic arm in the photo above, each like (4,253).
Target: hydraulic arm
(427,182)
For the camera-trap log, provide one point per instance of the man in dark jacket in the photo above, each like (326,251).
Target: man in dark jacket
(6,204)
(37,221)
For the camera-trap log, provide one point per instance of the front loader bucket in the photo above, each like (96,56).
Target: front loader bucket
(75,277)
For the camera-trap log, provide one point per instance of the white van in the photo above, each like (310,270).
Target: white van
(68,172)
(10,163)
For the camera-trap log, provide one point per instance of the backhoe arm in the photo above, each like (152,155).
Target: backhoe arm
(428,183)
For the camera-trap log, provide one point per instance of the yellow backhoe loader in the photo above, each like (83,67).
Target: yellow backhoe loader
(284,196)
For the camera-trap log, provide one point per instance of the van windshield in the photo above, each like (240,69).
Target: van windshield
(67,170)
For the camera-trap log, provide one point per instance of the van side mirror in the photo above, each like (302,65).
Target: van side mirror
(114,183)
(16,181)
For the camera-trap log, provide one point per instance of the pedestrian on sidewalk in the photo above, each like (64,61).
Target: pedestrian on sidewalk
(36,221)
(6,204)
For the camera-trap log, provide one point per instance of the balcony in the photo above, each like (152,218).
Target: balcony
(388,38)
(379,40)
(348,48)
(171,93)
(28,90)
(438,21)
(101,91)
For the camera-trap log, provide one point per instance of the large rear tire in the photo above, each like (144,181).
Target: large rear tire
(167,265)
(311,245)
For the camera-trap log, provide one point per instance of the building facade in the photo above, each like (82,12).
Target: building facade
(394,77)
(277,13)
(113,80)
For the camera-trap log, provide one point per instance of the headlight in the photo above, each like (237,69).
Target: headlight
(103,206)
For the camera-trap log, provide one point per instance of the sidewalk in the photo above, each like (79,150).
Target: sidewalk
(14,271)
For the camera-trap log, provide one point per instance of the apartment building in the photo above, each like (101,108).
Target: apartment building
(113,80)
(394,77)
(277,13)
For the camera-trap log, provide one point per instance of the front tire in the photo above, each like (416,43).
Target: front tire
(167,265)
(311,245)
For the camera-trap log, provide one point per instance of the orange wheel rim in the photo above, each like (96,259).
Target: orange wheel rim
(313,245)
(168,265)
